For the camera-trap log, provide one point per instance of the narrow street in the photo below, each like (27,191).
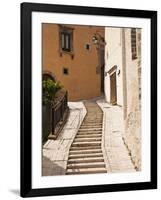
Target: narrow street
(96,125)
(85,154)
(90,142)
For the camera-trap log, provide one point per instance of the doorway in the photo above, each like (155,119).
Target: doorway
(113,89)
(102,65)
(102,79)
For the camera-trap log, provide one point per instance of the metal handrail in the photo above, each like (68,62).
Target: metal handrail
(58,111)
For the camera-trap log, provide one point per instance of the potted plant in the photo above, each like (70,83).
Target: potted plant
(49,90)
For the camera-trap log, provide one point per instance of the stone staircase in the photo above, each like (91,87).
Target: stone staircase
(85,154)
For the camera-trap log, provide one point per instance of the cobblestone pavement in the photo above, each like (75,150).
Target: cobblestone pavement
(116,155)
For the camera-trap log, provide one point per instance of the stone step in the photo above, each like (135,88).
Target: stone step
(85,160)
(92,121)
(85,155)
(89,135)
(86,171)
(93,113)
(92,124)
(85,165)
(87,139)
(93,117)
(90,129)
(85,144)
(90,132)
(87,151)
(85,148)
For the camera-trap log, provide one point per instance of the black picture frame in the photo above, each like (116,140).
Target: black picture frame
(26,94)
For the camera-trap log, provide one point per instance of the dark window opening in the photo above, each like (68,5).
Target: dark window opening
(65,71)
(87,46)
(133,43)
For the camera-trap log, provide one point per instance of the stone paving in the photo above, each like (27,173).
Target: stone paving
(116,155)
(55,152)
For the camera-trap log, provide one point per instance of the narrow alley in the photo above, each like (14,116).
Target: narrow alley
(90,142)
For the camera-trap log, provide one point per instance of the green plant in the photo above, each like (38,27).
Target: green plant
(50,88)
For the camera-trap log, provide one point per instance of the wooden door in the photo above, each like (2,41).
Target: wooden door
(102,78)
(113,88)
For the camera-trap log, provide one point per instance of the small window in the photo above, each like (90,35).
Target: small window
(133,43)
(87,46)
(65,71)
(66,39)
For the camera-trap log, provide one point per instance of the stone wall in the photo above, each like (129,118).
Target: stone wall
(132,117)
(128,76)
(81,79)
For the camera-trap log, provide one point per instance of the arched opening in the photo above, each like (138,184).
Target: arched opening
(48,75)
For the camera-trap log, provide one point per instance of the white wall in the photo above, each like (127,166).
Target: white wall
(132,134)
(113,56)
(9,99)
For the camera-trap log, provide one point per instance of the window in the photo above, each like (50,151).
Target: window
(65,71)
(87,46)
(66,39)
(133,43)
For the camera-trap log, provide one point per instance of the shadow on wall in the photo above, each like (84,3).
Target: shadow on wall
(50,168)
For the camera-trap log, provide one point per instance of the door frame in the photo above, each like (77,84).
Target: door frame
(111,72)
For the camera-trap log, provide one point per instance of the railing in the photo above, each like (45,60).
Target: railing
(58,112)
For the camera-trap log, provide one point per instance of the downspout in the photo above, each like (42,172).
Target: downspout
(124,81)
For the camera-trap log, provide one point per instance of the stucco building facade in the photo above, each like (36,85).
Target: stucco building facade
(72,57)
(123,83)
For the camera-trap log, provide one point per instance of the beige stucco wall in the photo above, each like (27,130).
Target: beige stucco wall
(113,56)
(133,116)
(118,52)
(82,82)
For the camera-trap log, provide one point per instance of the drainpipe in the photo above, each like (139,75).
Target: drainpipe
(124,81)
